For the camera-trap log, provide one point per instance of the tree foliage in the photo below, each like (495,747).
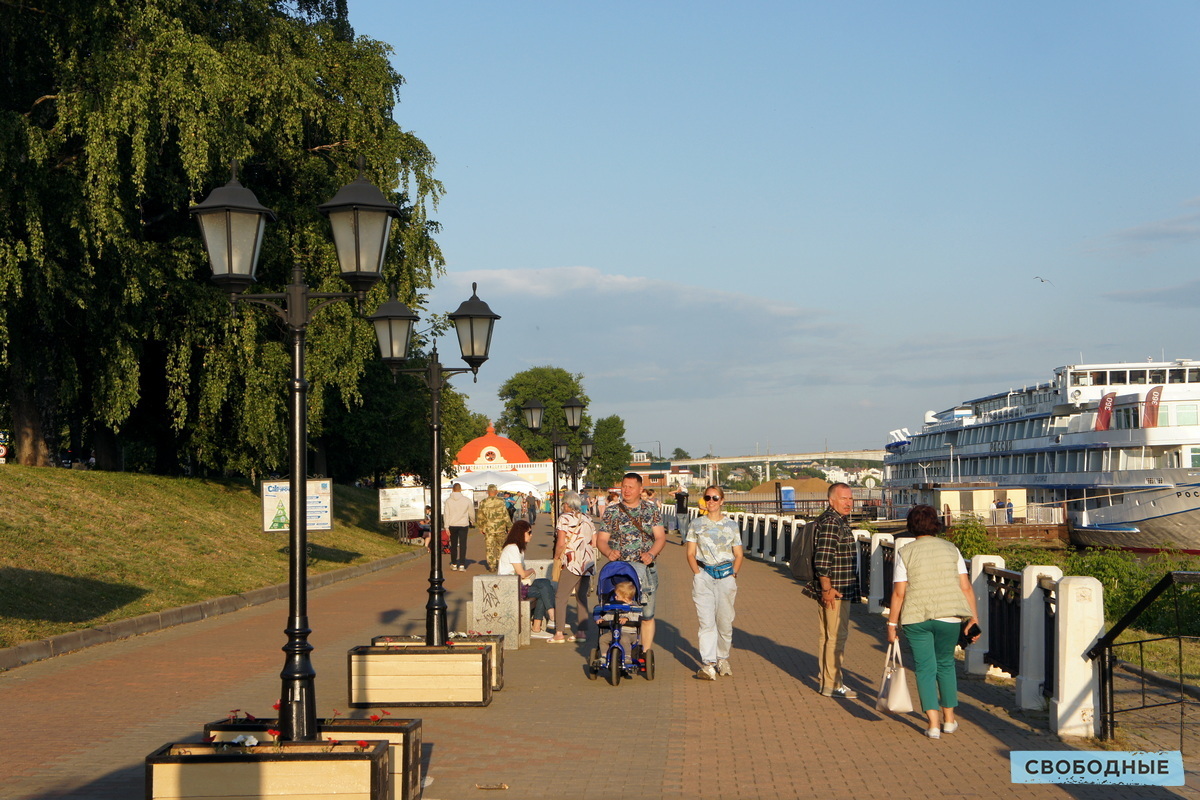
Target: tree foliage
(611,454)
(553,386)
(679,454)
(114,119)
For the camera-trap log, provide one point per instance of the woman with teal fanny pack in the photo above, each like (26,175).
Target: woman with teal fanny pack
(714,552)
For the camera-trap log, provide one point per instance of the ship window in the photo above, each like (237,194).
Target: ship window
(1081,379)
(1116,377)
(1099,378)
(1158,376)
(1177,376)
(1195,453)
(1194,376)
(1137,376)
(1185,414)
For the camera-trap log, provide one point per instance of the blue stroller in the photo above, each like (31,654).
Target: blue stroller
(613,617)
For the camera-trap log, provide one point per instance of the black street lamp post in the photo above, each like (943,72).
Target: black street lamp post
(533,411)
(394,322)
(232,223)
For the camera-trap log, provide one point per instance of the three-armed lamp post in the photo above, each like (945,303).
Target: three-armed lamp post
(394,323)
(533,411)
(232,223)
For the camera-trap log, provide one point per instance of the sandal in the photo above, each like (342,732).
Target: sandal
(555,640)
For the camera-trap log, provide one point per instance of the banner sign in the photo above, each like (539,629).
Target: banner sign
(276,505)
(1103,767)
(1150,415)
(1104,414)
(403,504)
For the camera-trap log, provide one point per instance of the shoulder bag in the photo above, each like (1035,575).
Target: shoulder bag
(893,686)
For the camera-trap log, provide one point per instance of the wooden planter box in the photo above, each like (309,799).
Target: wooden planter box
(291,769)
(403,736)
(460,675)
(493,642)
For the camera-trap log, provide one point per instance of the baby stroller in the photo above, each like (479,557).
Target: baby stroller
(612,618)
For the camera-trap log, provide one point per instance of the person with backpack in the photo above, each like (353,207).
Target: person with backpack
(714,552)
(835,587)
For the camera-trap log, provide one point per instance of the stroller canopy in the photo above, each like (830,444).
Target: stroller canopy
(617,572)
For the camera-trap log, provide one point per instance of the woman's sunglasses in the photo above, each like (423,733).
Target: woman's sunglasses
(712,498)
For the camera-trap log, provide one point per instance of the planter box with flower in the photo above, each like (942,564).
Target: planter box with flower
(456,675)
(351,771)
(402,735)
(493,642)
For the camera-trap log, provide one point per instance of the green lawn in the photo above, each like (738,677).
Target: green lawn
(79,548)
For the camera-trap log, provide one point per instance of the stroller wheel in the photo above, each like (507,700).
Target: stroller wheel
(615,666)
(594,664)
(650,666)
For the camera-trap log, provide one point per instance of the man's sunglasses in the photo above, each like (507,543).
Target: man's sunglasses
(712,498)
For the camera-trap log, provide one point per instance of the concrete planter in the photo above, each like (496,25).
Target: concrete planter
(458,675)
(289,769)
(493,642)
(402,735)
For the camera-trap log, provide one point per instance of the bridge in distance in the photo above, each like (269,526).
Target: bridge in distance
(860,455)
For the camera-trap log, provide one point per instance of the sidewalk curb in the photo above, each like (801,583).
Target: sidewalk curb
(27,653)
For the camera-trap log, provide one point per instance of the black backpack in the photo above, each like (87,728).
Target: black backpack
(804,551)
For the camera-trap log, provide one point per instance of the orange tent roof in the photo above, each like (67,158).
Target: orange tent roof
(491,449)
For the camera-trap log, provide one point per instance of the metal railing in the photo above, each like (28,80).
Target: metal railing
(887,553)
(1004,619)
(1153,690)
(1049,589)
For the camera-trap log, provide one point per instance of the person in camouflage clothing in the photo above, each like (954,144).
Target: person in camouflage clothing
(493,522)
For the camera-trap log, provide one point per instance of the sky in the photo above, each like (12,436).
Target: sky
(781,227)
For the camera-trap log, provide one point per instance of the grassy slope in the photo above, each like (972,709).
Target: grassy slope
(79,549)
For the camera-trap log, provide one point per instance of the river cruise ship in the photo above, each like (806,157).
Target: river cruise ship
(1111,449)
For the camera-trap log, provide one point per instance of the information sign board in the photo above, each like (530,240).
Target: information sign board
(403,504)
(276,505)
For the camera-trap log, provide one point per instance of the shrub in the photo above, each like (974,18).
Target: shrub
(970,536)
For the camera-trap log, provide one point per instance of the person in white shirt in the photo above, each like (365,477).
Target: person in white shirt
(458,515)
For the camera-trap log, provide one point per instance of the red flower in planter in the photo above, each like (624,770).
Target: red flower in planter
(250,717)
(362,746)
(385,712)
(210,738)
(277,705)
(273,732)
(375,718)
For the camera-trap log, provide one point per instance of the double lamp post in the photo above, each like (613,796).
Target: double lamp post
(533,411)
(232,222)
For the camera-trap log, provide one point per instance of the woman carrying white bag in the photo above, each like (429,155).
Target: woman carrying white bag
(932,601)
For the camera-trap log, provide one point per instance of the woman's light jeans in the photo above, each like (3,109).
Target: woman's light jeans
(714,610)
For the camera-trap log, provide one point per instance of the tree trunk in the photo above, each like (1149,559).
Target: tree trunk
(108,449)
(29,440)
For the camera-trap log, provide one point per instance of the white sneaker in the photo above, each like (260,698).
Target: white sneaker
(707,673)
(723,668)
(540,635)
(843,692)
(950,727)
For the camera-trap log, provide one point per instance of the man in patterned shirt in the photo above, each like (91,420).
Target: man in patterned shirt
(494,523)
(835,563)
(631,530)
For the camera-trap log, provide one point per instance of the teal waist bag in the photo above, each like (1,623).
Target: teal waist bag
(719,571)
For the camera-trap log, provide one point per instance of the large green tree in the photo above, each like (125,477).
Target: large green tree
(553,386)
(611,454)
(114,118)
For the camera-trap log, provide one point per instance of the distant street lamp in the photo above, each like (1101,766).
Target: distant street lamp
(232,223)
(394,322)
(532,412)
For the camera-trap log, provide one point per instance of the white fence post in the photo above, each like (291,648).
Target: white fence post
(1080,621)
(1032,664)
(875,591)
(976,651)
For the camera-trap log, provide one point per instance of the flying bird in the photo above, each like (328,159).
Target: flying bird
(1043,280)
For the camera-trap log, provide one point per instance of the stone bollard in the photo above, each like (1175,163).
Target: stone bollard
(1032,673)
(1080,622)
(976,665)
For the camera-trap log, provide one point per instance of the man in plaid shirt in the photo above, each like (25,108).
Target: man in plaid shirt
(835,563)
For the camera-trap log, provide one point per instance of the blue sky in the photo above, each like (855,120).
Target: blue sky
(785,225)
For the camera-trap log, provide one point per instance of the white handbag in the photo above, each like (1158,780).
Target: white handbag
(893,686)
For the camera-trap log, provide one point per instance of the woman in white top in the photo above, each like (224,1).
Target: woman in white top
(714,553)
(540,591)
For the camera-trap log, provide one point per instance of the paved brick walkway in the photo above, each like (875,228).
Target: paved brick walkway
(79,725)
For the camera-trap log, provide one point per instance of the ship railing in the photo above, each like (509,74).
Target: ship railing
(1044,514)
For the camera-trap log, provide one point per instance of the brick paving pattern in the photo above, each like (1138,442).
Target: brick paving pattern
(79,725)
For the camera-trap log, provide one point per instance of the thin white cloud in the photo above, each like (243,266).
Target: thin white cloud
(1184,295)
